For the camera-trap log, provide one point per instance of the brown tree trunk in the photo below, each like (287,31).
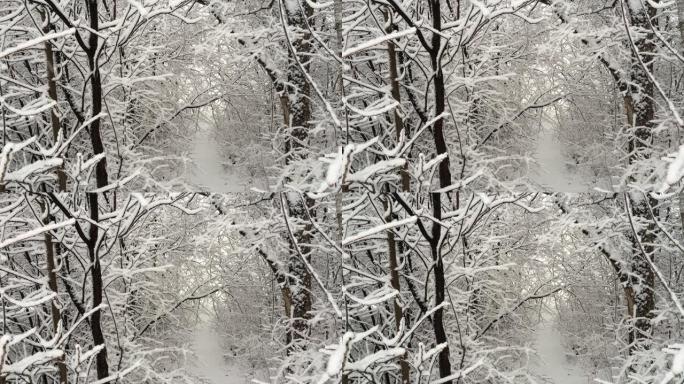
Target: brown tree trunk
(101,363)
(392,245)
(640,111)
(299,278)
(396,95)
(50,248)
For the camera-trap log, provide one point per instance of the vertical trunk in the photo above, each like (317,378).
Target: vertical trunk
(435,59)
(50,248)
(396,95)
(680,199)
(398,311)
(52,92)
(640,110)
(392,245)
(680,17)
(56,313)
(641,280)
(438,317)
(299,278)
(96,93)
(102,365)
(299,112)
(444,180)
(95,320)
(298,88)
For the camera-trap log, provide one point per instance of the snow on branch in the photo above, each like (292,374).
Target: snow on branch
(35,232)
(37,41)
(379,228)
(338,353)
(373,42)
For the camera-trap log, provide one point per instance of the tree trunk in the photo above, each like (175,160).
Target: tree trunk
(56,313)
(50,248)
(396,95)
(680,17)
(444,181)
(52,93)
(101,363)
(101,177)
(299,278)
(299,111)
(640,111)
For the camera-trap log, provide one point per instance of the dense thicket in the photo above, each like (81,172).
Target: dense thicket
(398,234)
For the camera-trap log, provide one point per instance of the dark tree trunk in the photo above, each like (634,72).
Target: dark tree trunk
(101,181)
(640,111)
(299,119)
(444,181)
(97,287)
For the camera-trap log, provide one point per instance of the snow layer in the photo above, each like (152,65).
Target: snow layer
(210,364)
(554,363)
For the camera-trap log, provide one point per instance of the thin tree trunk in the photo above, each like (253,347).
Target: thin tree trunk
(52,93)
(97,287)
(392,245)
(101,177)
(640,111)
(56,313)
(298,92)
(444,181)
(394,281)
(680,17)
(50,248)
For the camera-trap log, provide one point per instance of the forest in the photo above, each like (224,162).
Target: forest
(342,191)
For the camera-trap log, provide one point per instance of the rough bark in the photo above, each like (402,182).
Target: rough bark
(298,89)
(55,311)
(640,111)
(299,278)
(50,248)
(52,93)
(396,95)
(299,111)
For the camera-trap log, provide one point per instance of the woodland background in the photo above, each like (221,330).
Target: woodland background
(343,191)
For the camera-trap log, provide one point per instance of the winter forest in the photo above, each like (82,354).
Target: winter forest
(342,191)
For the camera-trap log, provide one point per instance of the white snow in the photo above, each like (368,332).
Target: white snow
(208,172)
(675,170)
(553,363)
(338,353)
(677,363)
(210,364)
(37,167)
(25,364)
(379,228)
(37,41)
(139,7)
(36,232)
(381,356)
(552,172)
(381,166)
